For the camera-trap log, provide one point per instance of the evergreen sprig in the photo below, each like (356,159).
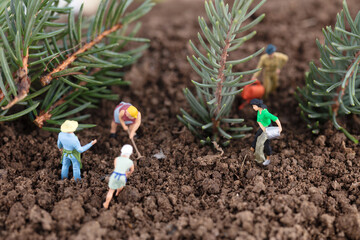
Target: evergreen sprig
(219,84)
(333,89)
(55,70)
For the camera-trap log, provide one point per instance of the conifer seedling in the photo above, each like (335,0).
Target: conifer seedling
(225,31)
(333,89)
(52,70)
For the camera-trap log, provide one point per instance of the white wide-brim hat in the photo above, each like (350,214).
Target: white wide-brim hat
(69,126)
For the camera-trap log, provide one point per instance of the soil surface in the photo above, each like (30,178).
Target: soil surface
(309,191)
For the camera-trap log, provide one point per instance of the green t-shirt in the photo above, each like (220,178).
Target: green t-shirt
(265,117)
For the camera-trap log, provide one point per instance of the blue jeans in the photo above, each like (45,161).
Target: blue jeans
(67,161)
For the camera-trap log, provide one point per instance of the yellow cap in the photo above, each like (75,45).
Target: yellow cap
(133,111)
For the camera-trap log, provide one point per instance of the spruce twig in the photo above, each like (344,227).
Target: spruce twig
(219,85)
(335,107)
(32,42)
(22,82)
(332,90)
(47,79)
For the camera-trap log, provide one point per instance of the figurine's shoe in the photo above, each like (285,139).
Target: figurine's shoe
(112,135)
(139,133)
(267,162)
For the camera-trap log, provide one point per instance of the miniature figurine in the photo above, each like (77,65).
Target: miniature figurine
(264,118)
(128,117)
(71,149)
(124,167)
(271,62)
(254,90)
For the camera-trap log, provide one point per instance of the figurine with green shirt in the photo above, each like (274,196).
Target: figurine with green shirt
(71,149)
(261,143)
(124,167)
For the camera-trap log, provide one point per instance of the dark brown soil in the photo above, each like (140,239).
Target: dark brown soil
(309,191)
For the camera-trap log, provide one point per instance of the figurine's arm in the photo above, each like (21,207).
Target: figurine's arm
(80,148)
(279,125)
(131,170)
(136,125)
(282,60)
(275,119)
(261,126)
(59,144)
(121,114)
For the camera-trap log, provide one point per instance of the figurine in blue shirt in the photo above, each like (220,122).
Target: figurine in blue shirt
(71,149)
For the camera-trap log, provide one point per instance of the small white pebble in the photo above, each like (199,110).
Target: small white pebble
(160,155)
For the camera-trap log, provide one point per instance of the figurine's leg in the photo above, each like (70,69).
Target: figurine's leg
(131,127)
(258,133)
(109,196)
(275,82)
(118,191)
(267,151)
(267,85)
(76,168)
(65,167)
(267,148)
(259,151)
(113,127)
(139,132)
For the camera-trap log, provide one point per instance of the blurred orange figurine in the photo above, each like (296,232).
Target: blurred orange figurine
(251,91)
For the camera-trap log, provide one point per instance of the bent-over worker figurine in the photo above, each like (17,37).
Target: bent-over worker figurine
(128,117)
(124,167)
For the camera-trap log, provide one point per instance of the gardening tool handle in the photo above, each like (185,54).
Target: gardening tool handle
(133,142)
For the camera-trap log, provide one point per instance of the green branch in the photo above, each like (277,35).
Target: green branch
(219,85)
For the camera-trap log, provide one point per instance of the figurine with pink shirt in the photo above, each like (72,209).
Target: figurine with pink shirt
(128,117)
